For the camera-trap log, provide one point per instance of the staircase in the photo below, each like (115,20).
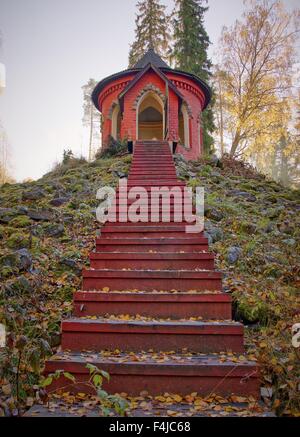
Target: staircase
(176,334)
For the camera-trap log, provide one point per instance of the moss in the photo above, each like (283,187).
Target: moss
(21,221)
(251,310)
(6,271)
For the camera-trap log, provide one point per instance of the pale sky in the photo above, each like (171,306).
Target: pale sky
(50,49)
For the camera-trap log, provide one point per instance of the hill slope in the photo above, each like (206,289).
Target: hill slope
(47,229)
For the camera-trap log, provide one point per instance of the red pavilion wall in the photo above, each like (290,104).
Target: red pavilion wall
(189,90)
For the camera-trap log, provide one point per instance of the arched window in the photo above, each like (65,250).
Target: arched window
(150,117)
(184,128)
(116,122)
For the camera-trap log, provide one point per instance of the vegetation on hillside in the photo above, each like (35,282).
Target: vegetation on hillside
(48,228)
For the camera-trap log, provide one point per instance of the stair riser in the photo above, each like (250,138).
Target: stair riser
(127,341)
(148,227)
(149,284)
(181,189)
(151,174)
(142,182)
(104,246)
(156,385)
(208,310)
(165,226)
(121,200)
(188,264)
(144,234)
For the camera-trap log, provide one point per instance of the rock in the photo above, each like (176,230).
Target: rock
(289,242)
(9,260)
(233,254)
(214,160)
(274,212)
(22,210)
(22,284)
(213,233)
(25,259)
(269,228)
(59,201)
(247,227)
(72,264)
(244,194)
(69,263)
(18,240)
(34,194)
(7,214)
(286,228)
(119,174)
(214,214)
(215,174)
(53,230)
(41,215)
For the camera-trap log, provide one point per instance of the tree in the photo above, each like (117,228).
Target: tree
(4,158)
(191,43)
(257,57)
(151,30)
(91,117)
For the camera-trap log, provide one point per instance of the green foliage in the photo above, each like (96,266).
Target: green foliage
(108,403)
(67,156)
(191,43)
(151,30)
(21,222)
(115,147)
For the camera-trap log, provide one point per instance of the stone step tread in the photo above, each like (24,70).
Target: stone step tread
(149,408)
(151,296)
(146,323)
(147,255)
(193,362)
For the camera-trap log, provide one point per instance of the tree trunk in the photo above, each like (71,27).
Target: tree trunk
(221,118)
(235,143)
(91,133)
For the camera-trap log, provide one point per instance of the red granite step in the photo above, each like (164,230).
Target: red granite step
(148,225)
(152,244)
(160,261)
(149,280)
(162,305)
(163,280)
(105,334)
(202,374)
(140,232)
(155,183)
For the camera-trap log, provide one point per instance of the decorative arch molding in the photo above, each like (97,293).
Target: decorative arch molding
(160,99)
(112,108)
(115,116)
(185,128)
(188,108)
(145,90)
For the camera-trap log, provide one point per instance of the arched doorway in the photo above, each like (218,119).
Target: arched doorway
(184,131)
(116,122)
(150,117)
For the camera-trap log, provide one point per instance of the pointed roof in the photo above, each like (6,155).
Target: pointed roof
(154,61)
(141,74)
(150,57)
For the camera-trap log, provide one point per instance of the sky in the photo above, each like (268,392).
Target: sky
(50,50)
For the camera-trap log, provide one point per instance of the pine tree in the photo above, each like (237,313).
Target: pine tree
(189,53)
(151,30)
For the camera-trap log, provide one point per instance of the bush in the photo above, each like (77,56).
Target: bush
(115,147)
